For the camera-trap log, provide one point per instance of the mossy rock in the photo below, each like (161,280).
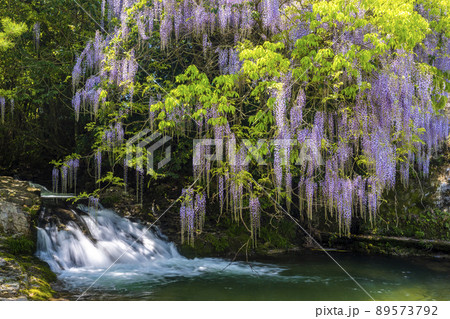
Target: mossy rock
(32,275)
(19,245)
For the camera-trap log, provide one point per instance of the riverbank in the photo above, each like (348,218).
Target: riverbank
(22,275)
(25,277)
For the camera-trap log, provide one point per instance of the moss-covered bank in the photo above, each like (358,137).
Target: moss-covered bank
(22,275)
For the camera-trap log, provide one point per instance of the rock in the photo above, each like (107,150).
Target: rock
(59,216)
(13,220)
(62,217)
(21,298)
(443,192)
(11,280)
(18,201)
(24,278)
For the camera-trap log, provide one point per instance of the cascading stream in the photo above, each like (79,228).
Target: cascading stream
(111,236)
(152,269)
(79,257)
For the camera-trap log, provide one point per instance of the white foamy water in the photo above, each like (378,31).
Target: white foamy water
(137,255)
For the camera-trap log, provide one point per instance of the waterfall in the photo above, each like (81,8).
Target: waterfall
(110,238)
(123,258)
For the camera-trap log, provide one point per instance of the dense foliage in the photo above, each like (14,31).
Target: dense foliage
(358,88)
(36,120)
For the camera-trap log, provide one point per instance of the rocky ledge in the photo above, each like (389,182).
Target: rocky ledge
(18,203)
(12,280)
(22,276)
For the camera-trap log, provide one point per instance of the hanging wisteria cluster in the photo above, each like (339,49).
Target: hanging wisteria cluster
(64,176)
(192,214)
(436,45)
(89,66)
(2,108)
(98,165)
(230,182)
(93,203)
(114,136)
(68,173)
(12,107)
(255,217)
(176,19)
(55,179)
(140,184)
(3,103)
(350,154)
(37,34)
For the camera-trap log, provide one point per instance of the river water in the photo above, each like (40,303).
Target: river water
(143,265)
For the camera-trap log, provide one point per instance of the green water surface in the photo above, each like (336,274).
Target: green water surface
(308,276)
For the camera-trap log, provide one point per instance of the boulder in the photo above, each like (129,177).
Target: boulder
(18,204)
(443,193)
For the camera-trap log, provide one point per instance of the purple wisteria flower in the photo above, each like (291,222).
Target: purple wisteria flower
(366,136)
(2,108)
(55,179)
(37,34)
(64,176)
(98,164)
(255,216)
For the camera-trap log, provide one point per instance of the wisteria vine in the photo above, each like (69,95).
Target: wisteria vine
(362,128)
